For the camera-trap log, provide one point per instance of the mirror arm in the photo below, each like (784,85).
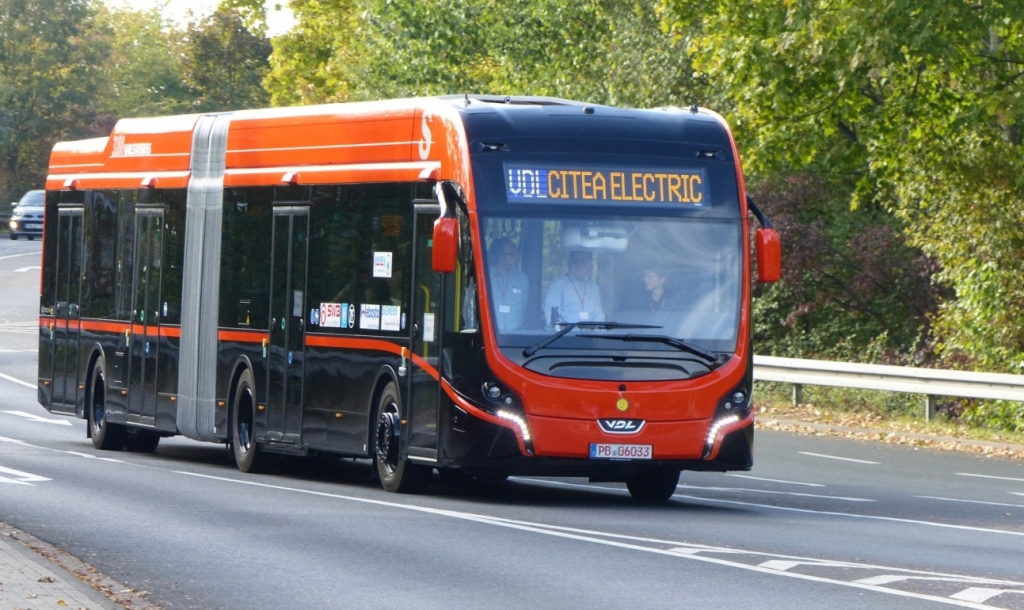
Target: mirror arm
(761,218)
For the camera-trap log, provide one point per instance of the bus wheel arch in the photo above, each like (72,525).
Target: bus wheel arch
(396,473)
(105,435)
(249,455)
(242,365)
(94,357)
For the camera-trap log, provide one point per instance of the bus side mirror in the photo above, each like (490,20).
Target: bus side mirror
(446,245)
(769,255)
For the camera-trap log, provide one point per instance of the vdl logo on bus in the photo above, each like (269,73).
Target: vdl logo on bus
(621,426)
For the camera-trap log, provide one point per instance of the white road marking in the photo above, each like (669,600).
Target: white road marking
(38,418)
(24,269)
(779,564)
(981,594)
(747,476)
(988,476)
(4,439)
(18,381)
(591,537)
(21,478)
(972,501)
(39,253)
(883,579)
(1017,493)
(781,493)
(836,457)
(787,508)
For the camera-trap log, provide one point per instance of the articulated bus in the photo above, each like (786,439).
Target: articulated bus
(482,286)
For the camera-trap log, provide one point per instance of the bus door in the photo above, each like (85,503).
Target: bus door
(286,350)
(144,346)
(425,332)
(70,222)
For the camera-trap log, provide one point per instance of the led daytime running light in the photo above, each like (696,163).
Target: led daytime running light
(718,425)
(519,421)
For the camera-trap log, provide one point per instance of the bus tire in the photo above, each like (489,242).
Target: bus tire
(142,441)
(397,474)
(249,455)
(654,485)
(106,436)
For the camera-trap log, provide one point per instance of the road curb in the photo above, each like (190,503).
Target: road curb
(915,438)
(44,576)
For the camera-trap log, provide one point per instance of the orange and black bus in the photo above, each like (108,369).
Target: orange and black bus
(485,286)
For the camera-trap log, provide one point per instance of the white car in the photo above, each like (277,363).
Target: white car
(27,219)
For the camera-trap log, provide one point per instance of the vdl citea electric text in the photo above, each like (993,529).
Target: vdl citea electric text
(482,286)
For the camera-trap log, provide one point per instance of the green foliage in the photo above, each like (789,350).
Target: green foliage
(602,51)
(226,62)
(49,75)
(918,103)
(143,71)
(851,289)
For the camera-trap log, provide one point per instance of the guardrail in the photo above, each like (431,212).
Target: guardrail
(929,382)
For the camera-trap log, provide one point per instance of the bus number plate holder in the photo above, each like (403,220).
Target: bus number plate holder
(606,451)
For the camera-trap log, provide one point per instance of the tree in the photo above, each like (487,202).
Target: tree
(144,70)
(49,76)
(916,106)
(602,51)
(226,61)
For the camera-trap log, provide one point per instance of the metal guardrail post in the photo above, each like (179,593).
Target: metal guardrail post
(798,394)
(929,407)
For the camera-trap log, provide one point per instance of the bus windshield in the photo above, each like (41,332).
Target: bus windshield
(656,281)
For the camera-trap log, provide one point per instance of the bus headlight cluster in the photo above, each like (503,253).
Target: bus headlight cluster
(720,423)
(519,421)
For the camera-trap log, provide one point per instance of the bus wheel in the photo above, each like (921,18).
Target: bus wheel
(249,455)
(105,435)
(396,474)
(142,441)
(653,485)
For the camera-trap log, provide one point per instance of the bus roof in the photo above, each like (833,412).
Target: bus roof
(384,140)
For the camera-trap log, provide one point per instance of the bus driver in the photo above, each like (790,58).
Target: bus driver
(574,297)
(509,286)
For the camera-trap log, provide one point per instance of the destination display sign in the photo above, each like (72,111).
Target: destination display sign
(537,183)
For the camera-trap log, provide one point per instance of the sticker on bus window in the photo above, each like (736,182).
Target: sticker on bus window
(382,264)
(346,315)
(369,317)
(538,183)
(390,317)
(330,315)
(428,328)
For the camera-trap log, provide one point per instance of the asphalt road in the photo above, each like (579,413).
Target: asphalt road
(820,522)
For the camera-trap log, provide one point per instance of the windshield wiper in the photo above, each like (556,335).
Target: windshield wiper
(674,342)
(555,337)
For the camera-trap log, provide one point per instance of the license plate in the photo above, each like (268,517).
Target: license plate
(33,225)
(620,452)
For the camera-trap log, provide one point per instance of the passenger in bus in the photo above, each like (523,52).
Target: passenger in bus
(574,297)
(657,299)
(509,286)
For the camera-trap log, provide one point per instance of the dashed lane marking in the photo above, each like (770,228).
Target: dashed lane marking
(836,457)
(39,418)
(988,476)
(972,501)
(787,508)
(37,253)
(24,269)
(676,549)
(17,381)
(781,493)
(20,478)
(747,476)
